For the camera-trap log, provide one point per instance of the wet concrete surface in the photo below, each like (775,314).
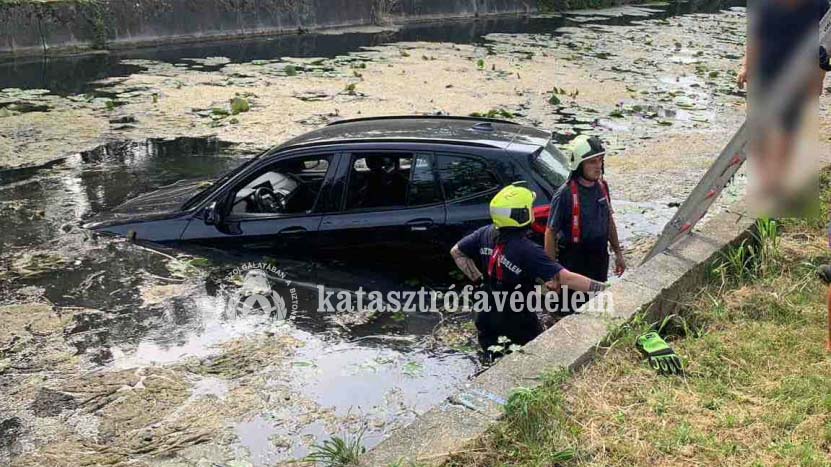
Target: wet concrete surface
(115,351)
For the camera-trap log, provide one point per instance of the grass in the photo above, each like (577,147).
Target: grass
(757,389)
(337,451)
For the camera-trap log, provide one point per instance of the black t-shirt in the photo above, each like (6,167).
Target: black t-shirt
(777,30)
(594,215)
(523,261)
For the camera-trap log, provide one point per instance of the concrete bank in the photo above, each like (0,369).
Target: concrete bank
(32,28)
(654,288)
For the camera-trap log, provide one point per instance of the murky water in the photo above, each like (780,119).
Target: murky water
(148,308)
(73,75)
(268,388)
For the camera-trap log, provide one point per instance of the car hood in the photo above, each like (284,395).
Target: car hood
(163,203)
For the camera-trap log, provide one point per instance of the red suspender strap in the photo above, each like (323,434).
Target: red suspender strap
(605,188)
(576,229)
(495,264)
(575,212)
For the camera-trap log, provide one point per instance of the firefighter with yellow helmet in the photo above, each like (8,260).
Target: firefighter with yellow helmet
(580,224)
(502,258)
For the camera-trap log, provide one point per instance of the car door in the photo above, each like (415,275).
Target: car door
(293,229)
(468,183)
(394,220)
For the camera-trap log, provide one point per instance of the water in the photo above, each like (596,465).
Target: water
(138,306)
(76,74)
(148,308)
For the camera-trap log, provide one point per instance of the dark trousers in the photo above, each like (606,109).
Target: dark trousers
(519,327)
(590,259)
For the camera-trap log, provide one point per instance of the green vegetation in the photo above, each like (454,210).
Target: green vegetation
(94,13)
(556,92)
(111,104)
(493,113)
(757,388)
(239,105)
(336,451)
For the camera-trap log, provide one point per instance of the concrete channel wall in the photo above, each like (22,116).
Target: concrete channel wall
(32,28)
(654,288)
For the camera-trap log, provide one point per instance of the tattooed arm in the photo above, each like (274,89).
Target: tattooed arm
(576,282)
(466,265)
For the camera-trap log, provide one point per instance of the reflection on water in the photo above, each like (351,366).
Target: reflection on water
(151,306)
(73,75)
(369,390)
(38,202)
(147,307)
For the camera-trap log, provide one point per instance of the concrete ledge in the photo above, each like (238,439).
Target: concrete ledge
(654,288)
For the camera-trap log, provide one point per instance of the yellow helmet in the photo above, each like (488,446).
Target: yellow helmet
(513,206)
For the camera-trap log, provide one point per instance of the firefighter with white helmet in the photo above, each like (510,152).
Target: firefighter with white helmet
(511,262)
(581,226)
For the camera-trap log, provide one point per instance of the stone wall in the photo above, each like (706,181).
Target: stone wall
(30,28)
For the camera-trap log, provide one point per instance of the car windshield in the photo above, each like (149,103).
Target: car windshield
(551,164)
(199,197)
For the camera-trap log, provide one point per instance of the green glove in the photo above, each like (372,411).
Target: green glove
(660,356)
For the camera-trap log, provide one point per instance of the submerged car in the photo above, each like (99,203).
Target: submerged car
(403,182)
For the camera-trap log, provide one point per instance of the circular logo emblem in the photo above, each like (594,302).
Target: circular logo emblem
(256,297)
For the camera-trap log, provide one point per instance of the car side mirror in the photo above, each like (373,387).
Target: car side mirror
(211,214)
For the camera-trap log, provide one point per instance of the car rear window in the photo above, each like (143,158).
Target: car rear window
(464,176)
(551,165)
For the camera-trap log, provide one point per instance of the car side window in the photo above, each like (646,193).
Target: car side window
(464,176)
(423,189)
(382,180)
(290,186)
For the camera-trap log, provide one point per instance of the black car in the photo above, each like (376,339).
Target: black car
(404,182)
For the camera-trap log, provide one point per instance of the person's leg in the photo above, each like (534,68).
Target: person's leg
(577,260)
(828,341)
(489,327)
(824,273)
(776,152)
(767,160)
(593,264)
(568,259)
(525,328)
(519,328)
(486,341)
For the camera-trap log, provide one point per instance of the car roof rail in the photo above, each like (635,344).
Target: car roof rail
(332,142)
(419,117)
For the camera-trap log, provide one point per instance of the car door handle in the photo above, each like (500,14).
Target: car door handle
(291,230)
(418,225)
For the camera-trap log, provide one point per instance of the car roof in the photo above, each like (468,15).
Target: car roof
(468,131)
